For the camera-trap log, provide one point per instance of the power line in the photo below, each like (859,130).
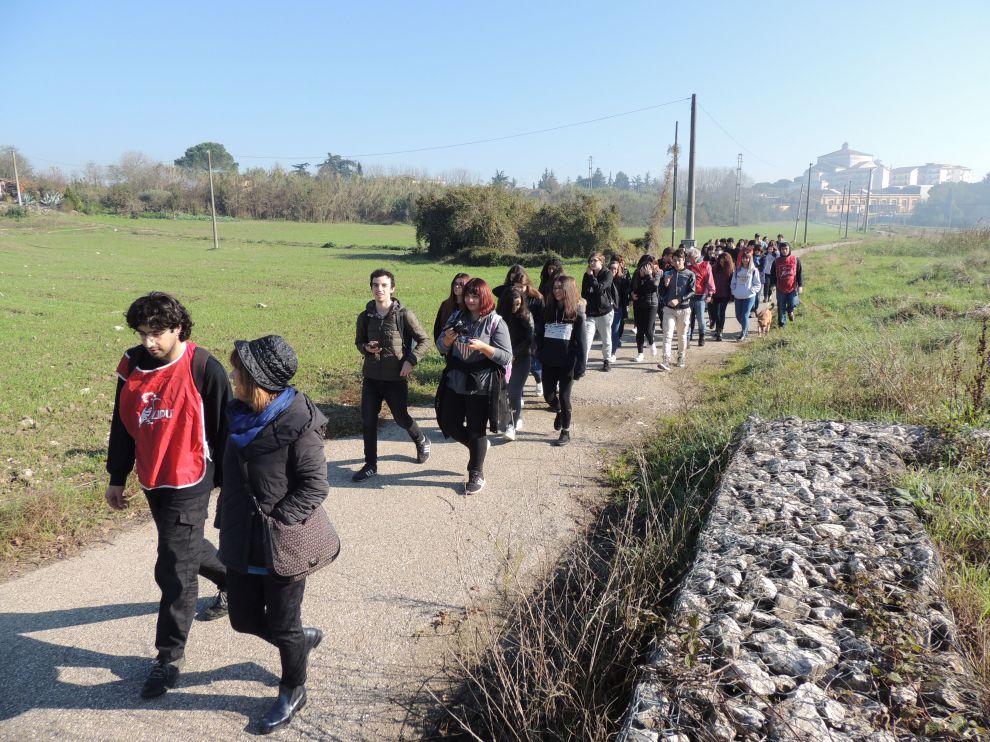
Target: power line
(475,141)
(707,113)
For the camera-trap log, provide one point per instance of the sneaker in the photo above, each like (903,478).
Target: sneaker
(611,358)
(539,388)
(475,483)
(216,609)
(790,315)
(664,365)
(653,350)
(606,366)
(163,675)
(365,473)
(423,450)
(639,358)
(681,362)
(718,337)
(519,424)
(510,433)
(565,438)
(557,421)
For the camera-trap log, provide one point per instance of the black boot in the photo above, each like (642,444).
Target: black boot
(701,339)
(290,700)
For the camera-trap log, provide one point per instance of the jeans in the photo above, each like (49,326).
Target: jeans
(396,395)
(786,302)
(271,609)
(520,372)
(718,313)
(183,553)
(743,308)
(645,318)
(536,368)
(675,319)
(697,315)
(557,384)
(465,419)
(618,318)
(603,326)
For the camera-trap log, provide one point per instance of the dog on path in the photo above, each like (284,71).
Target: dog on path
(764,319)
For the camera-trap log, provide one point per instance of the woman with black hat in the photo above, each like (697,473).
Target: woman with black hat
(275,457)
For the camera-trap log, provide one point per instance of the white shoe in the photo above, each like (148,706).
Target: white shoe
(664,365)
(639,358)
(519,424)
(509,434)
(539,388)
(681,362)
(611,358)
(653,350)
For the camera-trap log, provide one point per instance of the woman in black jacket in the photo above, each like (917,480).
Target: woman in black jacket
(563,347)
(275,456)
(514,311)
(645,297)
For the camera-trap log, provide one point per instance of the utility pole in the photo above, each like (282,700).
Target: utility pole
(807,205)
(735,206)
(849,208)
(213,202)
(591,180)
(842,209)
(689,222)
(673,210)
(952,198)
(869,189)
(797,215)
(17,180)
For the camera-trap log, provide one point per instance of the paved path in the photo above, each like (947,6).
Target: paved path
(76,636)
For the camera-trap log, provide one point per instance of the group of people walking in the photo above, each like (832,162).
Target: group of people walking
(183,429)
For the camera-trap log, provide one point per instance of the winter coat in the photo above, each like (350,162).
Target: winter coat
(646,289)
(521,333)
(397,347)
(597,291)
(705,284)
(723,284)
(621,290)
(681,287)
(563,353)
(288,472)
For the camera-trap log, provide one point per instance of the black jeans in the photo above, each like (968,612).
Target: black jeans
(718,313)
(183,553)
(557,384)
(396,395)
(465,419)
(271,609)
(645,318)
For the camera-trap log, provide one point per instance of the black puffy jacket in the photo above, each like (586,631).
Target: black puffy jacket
(288,471)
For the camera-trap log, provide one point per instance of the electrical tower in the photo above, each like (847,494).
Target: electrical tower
(737,205)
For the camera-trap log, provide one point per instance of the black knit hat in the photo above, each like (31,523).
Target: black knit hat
(270,361)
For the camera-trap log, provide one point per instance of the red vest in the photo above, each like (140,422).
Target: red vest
(163,412)
(702,270)
(786,273)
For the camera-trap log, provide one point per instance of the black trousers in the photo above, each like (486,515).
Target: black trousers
(271,609)
(396,395)
(183,553)
(718,313)
(557,384)
(645,318)
(465,419)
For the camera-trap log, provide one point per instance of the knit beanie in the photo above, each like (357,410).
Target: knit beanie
(270,361)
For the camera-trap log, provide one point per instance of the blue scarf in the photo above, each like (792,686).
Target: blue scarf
(245,423)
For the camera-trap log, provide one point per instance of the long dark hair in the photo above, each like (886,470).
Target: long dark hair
(508,298)
(568,307)
(449,304)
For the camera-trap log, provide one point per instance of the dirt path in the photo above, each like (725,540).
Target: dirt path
(75,637)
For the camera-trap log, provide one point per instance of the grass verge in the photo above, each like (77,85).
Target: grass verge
(888,331)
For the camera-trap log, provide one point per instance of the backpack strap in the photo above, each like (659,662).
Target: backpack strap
(199,360)
(400,325)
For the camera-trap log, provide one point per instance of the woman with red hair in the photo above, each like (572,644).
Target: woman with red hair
(476,343)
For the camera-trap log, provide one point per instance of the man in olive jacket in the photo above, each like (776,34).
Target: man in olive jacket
(392,341)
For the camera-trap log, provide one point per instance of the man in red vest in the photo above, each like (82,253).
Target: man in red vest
(786,274)
(169,424)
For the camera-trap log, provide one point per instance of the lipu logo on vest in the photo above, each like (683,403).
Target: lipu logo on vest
(150,413)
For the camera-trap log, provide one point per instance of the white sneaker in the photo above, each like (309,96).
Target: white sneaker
(519,424)
(611,358)
(653,350)
(639,358)
(539,388)
(509,434)
(681,362)
(664,365)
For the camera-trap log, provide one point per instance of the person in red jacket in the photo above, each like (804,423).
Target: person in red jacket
(704,290)
(786,274)
(169,424)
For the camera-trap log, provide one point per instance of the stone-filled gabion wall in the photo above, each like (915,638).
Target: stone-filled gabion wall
(814,609)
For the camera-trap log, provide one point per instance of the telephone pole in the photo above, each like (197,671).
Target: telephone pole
(673,210)
(842,210)
(17,180)
(797,214)
(689,222)
(807,205)
(735,206)
(213,201)
(869,190)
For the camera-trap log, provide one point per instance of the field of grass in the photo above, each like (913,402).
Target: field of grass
(65,283)
(817,233)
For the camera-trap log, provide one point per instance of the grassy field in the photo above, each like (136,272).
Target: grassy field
(817,233)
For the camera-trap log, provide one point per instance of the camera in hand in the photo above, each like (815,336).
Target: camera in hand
(462,328)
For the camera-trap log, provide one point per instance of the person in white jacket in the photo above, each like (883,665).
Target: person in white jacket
(745,286)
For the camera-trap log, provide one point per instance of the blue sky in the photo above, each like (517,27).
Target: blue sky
(288,82)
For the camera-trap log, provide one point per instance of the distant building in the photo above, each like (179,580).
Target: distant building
(904,176)
(890,201)
(933,174)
